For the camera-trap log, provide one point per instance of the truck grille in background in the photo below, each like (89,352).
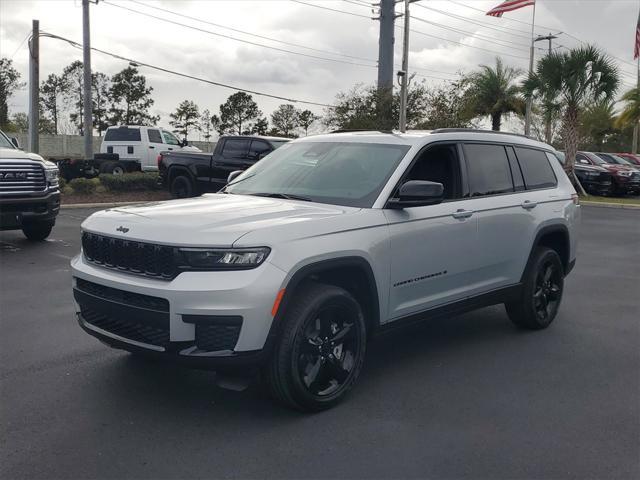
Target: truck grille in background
(140,258)
(18,178)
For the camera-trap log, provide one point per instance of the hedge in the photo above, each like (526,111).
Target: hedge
(130,182)
(84,186)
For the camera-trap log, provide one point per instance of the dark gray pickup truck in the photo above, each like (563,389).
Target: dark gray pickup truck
(187,174)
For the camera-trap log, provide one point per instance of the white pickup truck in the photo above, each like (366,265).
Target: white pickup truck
(126,148)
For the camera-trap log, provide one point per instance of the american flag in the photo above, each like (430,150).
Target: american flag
(636,50)
(508,6)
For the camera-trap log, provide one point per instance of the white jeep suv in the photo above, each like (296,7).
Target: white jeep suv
(302,258)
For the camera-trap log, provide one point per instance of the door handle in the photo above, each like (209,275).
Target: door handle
(461,213)
(528,204)
(151,146)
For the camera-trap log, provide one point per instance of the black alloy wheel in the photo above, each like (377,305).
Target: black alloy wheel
(328,351)
(548,290)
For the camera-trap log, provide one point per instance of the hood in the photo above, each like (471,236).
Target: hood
(590,168)
(15,154)
(616,168)
(210,220)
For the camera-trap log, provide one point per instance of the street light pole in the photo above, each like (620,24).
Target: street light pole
(404,80)
(547,127)
(86,100)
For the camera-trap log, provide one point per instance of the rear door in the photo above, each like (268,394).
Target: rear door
(257,150)
(231,157)
(156,145)
(505,223)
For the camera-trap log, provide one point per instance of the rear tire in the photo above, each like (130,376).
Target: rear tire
(541,292)
(182,187)
(36,232)
(114,168)
(320,351)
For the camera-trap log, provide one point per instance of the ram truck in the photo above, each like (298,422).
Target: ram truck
(188,174)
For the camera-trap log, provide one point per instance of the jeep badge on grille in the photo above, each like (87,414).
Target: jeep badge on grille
(122,229)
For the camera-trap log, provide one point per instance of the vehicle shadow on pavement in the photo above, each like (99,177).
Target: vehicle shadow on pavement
(140,384)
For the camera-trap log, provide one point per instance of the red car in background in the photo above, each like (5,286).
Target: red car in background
(630,157)
(626,179)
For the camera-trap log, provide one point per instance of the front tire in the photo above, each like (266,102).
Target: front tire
(541,293)
(36,232)
(321,349)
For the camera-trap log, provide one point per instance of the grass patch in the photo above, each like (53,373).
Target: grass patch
(616,200)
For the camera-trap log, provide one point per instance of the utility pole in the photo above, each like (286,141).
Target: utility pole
(385,64)
(547,126)
(634,146)
(86,101)
(34,87)
(527,116)
(404,74)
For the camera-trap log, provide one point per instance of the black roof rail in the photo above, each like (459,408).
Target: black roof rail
(478,130)
(351,130)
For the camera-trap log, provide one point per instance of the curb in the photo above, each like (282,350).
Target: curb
(72,206)
(610,205)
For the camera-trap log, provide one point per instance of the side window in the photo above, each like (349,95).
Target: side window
(488,167)
(154,136)
(235,148)
(439,164)
(536,169)
(170,138)
(516,173)
(258,149)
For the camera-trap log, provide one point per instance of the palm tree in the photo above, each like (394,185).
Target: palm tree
(574,80)
(493,92)
(630,114)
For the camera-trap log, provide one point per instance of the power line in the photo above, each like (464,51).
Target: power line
(250,34)
(173,72)
(21,43)
(331,9)
(229,37)
(270,47)
(475,35)
(503,29)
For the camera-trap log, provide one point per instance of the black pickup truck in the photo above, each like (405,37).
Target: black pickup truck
(187,174)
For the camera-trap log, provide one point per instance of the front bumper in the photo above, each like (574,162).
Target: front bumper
(18,211)
(205,319)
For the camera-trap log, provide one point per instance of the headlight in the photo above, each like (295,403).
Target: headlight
(225,259)
(624,173)
(51,174)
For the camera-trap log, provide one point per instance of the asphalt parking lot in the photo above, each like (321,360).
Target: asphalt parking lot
(464,397)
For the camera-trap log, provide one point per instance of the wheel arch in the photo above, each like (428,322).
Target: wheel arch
(353,273)
(555,237)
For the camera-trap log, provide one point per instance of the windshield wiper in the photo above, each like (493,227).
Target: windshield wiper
(286,196)
(238,181)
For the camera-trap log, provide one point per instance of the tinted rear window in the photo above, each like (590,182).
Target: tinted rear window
(122,135)
(536,169)
(488,167)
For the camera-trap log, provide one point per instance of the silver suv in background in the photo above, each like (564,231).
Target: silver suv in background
(329,240)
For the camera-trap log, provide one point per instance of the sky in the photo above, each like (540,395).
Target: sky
(448,37)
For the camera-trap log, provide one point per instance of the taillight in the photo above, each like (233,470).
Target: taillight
(575,199)
(159,160)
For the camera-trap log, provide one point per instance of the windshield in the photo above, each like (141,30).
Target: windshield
(340,173)
(5,142)
(595,158)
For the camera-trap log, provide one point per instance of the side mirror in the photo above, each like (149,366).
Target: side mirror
(15,142)
(417,193)
(184,143)
(233,175)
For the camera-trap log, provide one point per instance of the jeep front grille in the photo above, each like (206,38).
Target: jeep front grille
(21,177)
(148,259)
